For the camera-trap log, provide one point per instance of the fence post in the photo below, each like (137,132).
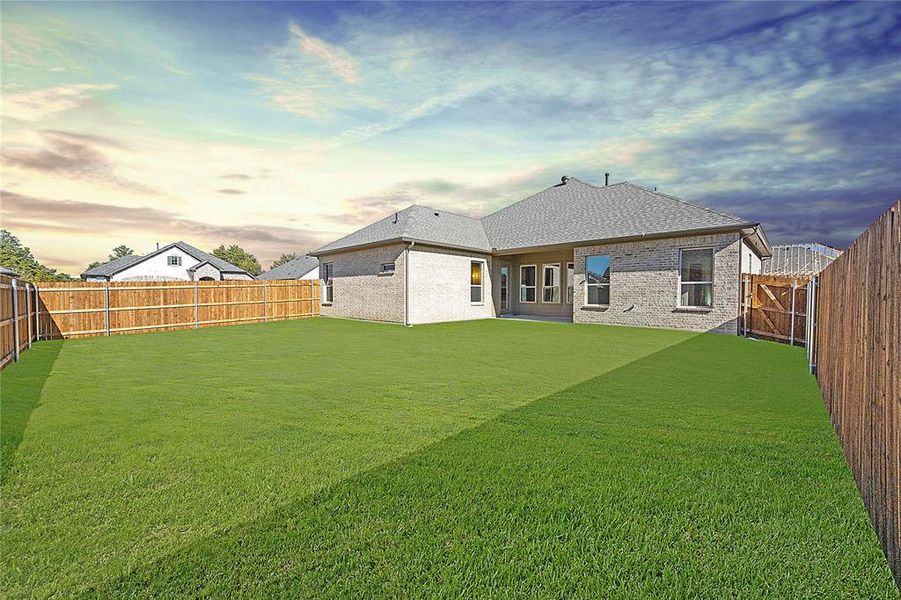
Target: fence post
(37,313)
(15,322)
(196,296)
(265,312)
(28,304)
(792,334)
(812,324)
(107,308)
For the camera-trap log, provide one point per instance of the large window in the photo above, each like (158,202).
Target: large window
(527,281)
(475,282)
(550,283)
(327,272)
(597,280)
(570,276)
(696,277)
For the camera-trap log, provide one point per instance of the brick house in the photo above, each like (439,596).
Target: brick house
(618,254)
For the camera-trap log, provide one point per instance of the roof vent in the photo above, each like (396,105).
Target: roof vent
(436,214)
(565,178)
(606,179)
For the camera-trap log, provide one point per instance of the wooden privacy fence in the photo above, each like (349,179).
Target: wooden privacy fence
(774,307)
(18,326)
(85,309)
(858,366)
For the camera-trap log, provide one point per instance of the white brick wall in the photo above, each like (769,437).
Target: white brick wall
(644,283)
(360,292)
(440,286)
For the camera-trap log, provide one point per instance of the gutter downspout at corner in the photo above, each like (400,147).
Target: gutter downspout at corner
(407,284)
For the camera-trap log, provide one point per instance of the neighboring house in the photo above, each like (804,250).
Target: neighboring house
(304,267)
(800,260)
(178,261)
(618,254)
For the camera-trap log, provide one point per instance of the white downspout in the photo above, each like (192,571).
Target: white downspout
(407,284)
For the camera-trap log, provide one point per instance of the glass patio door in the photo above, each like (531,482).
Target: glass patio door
(505,289)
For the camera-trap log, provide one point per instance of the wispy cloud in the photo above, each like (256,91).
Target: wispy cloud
(338,60)
(230,192)
(38,105)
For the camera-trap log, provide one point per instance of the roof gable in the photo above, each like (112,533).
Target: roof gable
(293,269)
(575,211)
(108,269)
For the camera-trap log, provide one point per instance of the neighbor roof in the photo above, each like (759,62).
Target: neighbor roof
(112,267)
(570,212)
(293,269)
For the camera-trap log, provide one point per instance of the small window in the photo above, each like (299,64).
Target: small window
(550,284)
(327,272)
(696,277)
(570,276)
(527,282)
(174,260)
(475,282)
(597,280)
(386,268)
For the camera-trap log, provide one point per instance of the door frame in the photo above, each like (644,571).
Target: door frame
(502,310)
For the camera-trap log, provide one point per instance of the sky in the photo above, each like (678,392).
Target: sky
(283,126)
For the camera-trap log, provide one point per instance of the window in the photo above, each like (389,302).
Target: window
(597,280)
(327,273)
(696,277)
(173,261)
(475,282)
(386,268)
(527,282)
(550,283)
(570,275)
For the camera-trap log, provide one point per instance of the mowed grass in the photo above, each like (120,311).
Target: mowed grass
(337,458)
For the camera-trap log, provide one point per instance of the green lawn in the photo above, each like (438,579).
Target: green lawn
(324,458)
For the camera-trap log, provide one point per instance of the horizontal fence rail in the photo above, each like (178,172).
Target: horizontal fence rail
(858,367)
(72,310)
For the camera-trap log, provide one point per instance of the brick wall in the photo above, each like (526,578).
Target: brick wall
(360,291)
(440,286)
(207,270)
(644,282)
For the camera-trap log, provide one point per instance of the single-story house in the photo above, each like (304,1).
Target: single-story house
(303,267)
(175,262)
(618,254)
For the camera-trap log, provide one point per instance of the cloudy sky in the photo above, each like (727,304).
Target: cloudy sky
(282,126)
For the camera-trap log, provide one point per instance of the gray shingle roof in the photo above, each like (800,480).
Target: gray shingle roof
(577,212)
(293,269)
(570,212)
(108,269)
(419,224)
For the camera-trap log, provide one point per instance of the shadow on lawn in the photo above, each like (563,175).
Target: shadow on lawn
(669,476)
(21,384)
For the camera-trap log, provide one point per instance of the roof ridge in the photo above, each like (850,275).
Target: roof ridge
(738,220)
(450,212)
(519,201)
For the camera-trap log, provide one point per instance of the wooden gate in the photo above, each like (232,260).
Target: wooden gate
(774,308)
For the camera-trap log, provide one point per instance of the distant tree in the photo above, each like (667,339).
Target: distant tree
(239,257)
(283,259)
(19,258)
(120,251)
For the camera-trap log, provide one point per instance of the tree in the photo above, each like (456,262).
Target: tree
(239,257)
(283,259)
(120,251)
(19,258)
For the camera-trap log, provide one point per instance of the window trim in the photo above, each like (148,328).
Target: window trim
(177,263)
(570,283)
(327,285)
(483,265)
(680,282)
(609,288)
(544,287)
(522,287)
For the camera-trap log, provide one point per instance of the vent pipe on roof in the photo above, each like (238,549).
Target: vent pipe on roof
(157,245)
(606,179)
(564,179)
(395,218)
